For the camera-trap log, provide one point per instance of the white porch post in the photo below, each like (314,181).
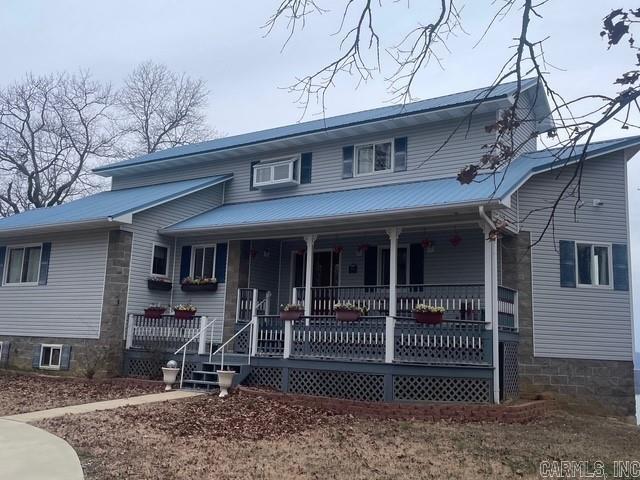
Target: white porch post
(202,340)
(130,326)
(254,327)
(390,324)
(491,303)
(310,239)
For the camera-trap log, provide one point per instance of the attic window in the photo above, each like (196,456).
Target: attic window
(278,173)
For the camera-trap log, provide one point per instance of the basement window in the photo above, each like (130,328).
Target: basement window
(50,356)
(279,173)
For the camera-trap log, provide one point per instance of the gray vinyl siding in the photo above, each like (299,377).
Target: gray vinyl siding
(588,323)
(145,227)
(463,148)
(70,304)
(210,304)
(463,264)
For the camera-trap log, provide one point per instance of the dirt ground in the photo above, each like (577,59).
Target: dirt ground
(20,393)
(247,437)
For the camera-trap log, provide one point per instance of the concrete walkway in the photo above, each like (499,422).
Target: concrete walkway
(30,453)
(96,406)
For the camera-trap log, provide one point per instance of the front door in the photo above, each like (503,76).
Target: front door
(326,269)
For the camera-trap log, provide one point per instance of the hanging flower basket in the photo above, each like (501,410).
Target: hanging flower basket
(159,284)
(154,312)
(348,312)
(347,315)
(184,312)
(428,315)
(291,312)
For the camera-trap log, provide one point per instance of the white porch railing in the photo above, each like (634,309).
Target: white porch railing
(461,302)
(165,333)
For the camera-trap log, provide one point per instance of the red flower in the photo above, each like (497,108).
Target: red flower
(455,240)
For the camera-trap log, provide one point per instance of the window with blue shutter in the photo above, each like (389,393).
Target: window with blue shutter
(567,264)
(371,265)
(185,262)
(221,262)
(44,263)
(400,154)
(620,267)
(3,252)
(416,264)
(305,167)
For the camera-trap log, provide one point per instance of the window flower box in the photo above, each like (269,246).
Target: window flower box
(291,311)
(427,314)
(184,312)
(199,285)
(161,284)
(154,312)
(348,312)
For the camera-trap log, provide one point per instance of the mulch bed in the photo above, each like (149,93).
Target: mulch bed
(26,392)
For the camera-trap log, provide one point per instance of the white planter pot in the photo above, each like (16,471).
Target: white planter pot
(225,381)
(169,376)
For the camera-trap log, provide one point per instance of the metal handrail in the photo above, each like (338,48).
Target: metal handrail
(183,348)
(221,347)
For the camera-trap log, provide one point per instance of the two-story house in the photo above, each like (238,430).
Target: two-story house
(365,209)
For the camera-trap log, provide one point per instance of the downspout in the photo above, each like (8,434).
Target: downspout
(491,298)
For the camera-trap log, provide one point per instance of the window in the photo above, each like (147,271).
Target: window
(160,262)
(50,356)
(276,173)
(203,262)
(593,264)
(402,267)
(326,268)
(374,158)
(23,265)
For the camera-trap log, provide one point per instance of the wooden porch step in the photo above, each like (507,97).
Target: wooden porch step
(199,385)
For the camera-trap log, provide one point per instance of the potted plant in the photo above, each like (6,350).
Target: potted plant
(348,312)
(158,283)
(428,314)
(291,311)
(207,284)
(184,311)
(154,311)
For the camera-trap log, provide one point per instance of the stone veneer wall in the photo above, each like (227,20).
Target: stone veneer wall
(103,356)
(604,386)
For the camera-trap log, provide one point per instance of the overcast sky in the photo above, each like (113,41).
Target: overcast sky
(223,42)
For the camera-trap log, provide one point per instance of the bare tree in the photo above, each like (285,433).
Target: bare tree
(53,129)
(576,119)
(163,109)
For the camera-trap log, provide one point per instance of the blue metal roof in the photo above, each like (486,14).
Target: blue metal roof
(428,194)
(105,206)
(330,123)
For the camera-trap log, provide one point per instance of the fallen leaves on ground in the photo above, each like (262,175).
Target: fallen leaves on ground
(254,437)
(20,393)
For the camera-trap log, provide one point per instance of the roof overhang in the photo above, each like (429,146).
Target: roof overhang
(433,215)
(60,228)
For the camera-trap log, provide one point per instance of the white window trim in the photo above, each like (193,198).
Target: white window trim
(610,258)
(153,249)
(193,257)
(373,171)
(272,163)
(379,264)
(5,273)
(52,346)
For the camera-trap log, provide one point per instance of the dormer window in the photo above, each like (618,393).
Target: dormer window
(276,173)
(374,158)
